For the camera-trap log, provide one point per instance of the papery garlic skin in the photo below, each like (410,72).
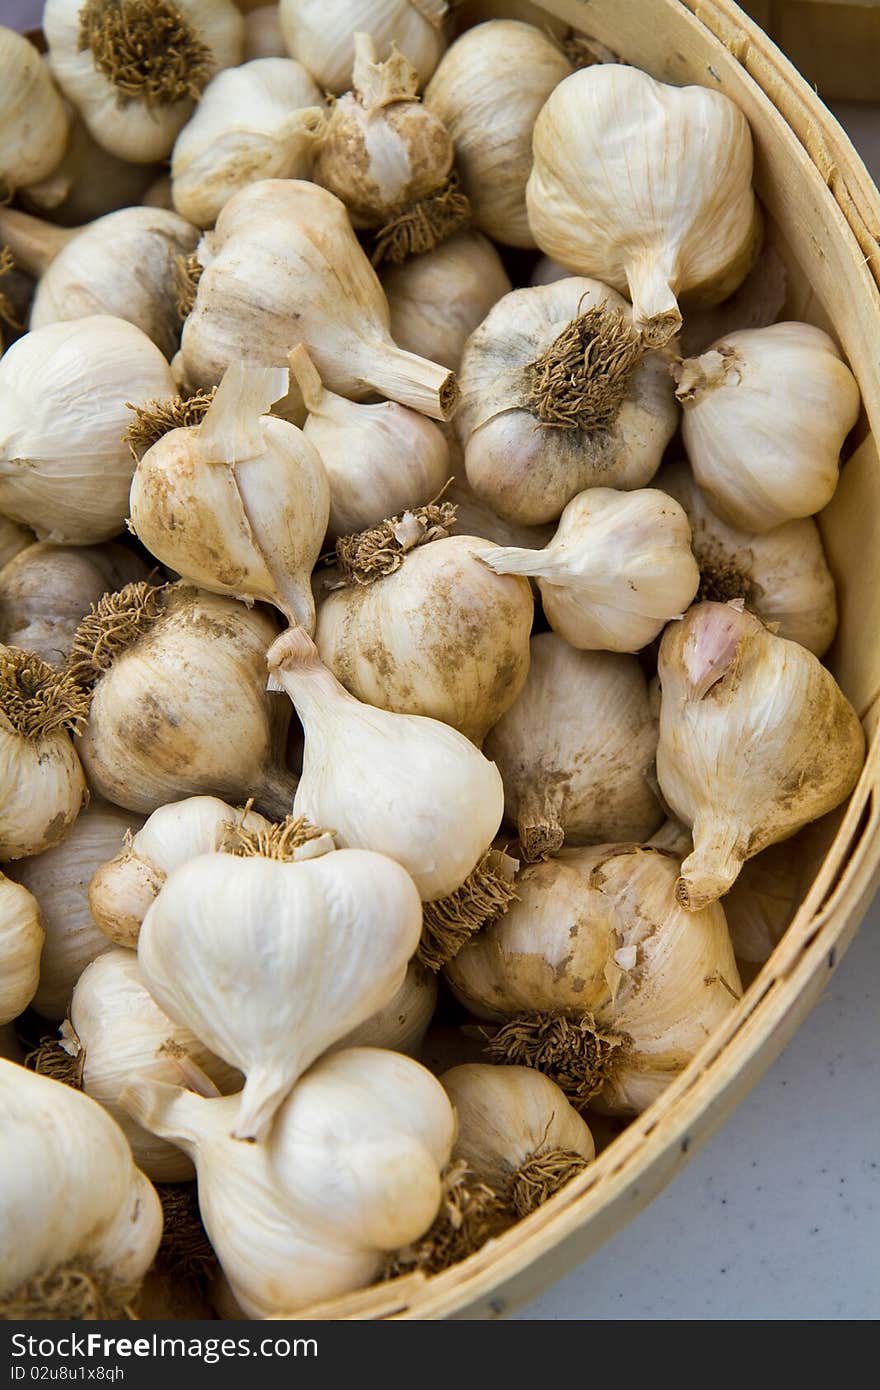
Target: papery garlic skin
(474,517)
(21,942)
(65,469)
(488,90)
(262,120)
(88,182)
(262,34)
(625,186)
(575,749)
(782,575)
(13,540)
(33,122)
(324,40)
(766,412)
(401,1024)
(617,569)
(518,460)
(756,739)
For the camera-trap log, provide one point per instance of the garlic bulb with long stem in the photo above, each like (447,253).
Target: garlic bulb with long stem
(239,503)
(262,120)
(13,540)
(284,266)
(782,575)
(135,68)
(262,34)
(21,942)
(401,1024)
(625,187)
(618,568)
(80,1222)
(88,182)
(766,411)
(65,468)
(575,750)
(558,394)
(179,704)
(33,121)
(488,90)
(756,739)
(324,40)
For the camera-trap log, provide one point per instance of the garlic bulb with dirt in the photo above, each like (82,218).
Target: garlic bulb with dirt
(13,540)
(350,1169)
(46,591)
(80,1222)
(766,411)
(559,394)
(401,1024)
(179,704)
(134,69)
(88,182)
(263,120)
(33,121)
(756,740)
(339,930)
(599,977)
(237,504)
(625,186)
(379,459)
(283,266)
(21,942)
(617,570)
(65,468)
(576,749)
(488,90)
(324,39)
(262,34)
(782,575)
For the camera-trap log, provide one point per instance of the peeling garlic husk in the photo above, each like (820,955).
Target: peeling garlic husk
(401,1024)
(262,120)
(766,412)
(782,575)
(575,749)
(262,34)
(536,428)
(13,540)
(617,570)
(33,121)
(625,187)
(323,39)
(488,90)
(21,943)
(756,740)
(88,182)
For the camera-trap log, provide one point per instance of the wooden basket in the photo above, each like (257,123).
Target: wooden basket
(824,215)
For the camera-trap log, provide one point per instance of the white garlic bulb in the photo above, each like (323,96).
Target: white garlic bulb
(262,120)
(558,394)
(88,182)
(21,941)
(782,575)
(134,72)
(756,739)
(13,540)
(618,568)
(395,783)
(262,34)
(80,1222)
(766,411)
(33,121)
(350,1169)
(488,90)
(573,779)
(625,186)
(239,503)
(401,1024)
(323,39)
(474,517)
(65,468)
(603,980)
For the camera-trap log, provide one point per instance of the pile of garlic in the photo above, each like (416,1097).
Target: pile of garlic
(375,669)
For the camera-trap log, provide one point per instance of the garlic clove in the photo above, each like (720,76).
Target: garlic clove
(21,942)
(262,33)
(33,121)
(324,41)
(401,1024)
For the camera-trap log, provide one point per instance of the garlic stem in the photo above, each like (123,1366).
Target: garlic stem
(539,829)
(306,375)
(34,244)
(655,307)
(295,666)
(414,381)
(713,867)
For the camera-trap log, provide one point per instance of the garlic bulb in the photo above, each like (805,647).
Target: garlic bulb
(475,518)
(239,503)
(283,266)
(766,412)
(59,880)
(179,704)
(262,120)
(13,540)
(323,39)
(625,186)
(21,941)
(487,91)
(756,739)
(782,575)
(135,69)
(401,1024)
(441,636)
(438,299)
(558,395)
(570,778)
(80,1222)
(599,977)
(88,182)
(338,930)
(33,122)
(42,786)
(380,460)
(46,591)
(618,568)
(762,902)
(121,1035)
(262,34)
(65,469)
